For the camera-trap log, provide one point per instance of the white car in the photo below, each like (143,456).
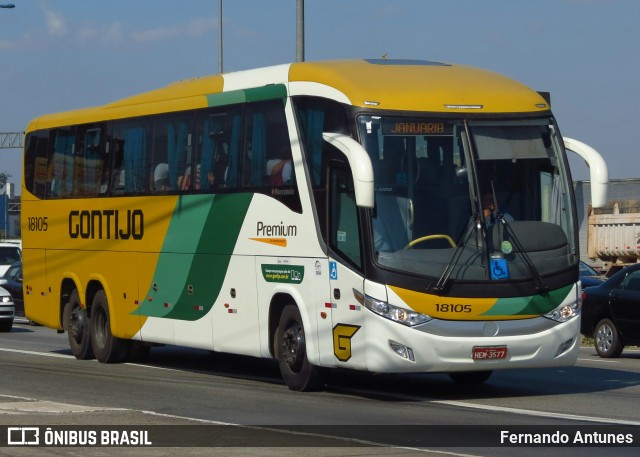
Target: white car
(7,310)
(10,252)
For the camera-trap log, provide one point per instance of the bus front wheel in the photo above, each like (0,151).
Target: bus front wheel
(291,351)
(106,347)
(76,322)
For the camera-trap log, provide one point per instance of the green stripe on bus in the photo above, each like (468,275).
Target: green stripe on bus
(271,92)
(530,306)
(192,266)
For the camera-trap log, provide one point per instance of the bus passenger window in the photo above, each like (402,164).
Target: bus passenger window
(36,162)
(171,151)
(89,161)
(132,157)
(268,159)
(60,181)
(217,152)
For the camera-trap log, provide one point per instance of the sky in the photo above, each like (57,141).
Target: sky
(57,55)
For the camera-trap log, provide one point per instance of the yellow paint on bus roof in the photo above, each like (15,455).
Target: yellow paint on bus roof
(178,96)
(421,86)
(389,84)
(178,90)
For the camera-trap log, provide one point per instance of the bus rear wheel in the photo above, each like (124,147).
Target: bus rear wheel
(76,322)
(291,352)
(106,347)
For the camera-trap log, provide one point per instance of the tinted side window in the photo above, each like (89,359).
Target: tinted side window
(35,162)
(267,144)
(218,139)
(344,229)
(632,281)
(90,162)
(171,151)
(60,168)
(315,116)
(131,172)
(267,163)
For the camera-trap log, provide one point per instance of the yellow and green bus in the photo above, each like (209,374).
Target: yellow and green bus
(325,214)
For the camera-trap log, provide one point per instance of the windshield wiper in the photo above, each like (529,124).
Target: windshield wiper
(474,224)
(540,285)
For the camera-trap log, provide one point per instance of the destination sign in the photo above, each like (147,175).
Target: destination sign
(415,127)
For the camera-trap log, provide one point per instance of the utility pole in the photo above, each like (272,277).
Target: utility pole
(300,31)
(220,36)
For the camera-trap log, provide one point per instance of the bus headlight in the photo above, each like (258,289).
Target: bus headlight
(395,313)
(564,312)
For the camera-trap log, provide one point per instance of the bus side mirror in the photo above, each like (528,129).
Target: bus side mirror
(360,165)
(598,171)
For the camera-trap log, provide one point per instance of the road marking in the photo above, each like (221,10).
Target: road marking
(530,412)
(599,360)
(30,405)
(24,407)
(292,432)
(524,412)
(47,354)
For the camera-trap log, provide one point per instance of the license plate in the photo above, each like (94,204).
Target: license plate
(489,352)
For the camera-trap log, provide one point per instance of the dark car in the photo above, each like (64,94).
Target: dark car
(12,281)
(611,312)
(590,277)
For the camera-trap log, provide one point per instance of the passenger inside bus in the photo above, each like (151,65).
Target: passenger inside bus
(161,177)
(279,170)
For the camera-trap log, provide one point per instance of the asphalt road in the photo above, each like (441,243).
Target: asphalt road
(200,403)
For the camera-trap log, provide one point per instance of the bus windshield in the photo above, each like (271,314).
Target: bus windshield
(484,200)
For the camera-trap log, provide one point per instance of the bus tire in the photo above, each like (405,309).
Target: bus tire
(470,377)
(106,347)
(76,322)
(291,352)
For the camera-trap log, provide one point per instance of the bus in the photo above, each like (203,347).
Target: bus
(324,214)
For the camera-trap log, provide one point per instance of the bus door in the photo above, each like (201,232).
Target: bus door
(346,282)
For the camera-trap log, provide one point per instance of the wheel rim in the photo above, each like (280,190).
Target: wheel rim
(604,338)
(293,346)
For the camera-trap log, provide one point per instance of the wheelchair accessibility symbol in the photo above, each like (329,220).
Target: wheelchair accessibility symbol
(333,270)
(499,269)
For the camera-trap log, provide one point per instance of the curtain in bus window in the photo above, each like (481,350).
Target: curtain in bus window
(258,149)
(176,151)
(234,150)
(61,167)
(314,127)
(135,159)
